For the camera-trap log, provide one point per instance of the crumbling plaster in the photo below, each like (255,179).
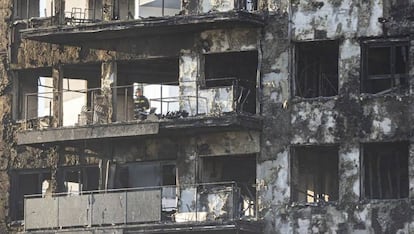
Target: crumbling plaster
(334,19)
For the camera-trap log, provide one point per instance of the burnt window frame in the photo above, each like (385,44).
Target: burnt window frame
(363,183)
(15,185)
(122,168)
(246,93)
(297,50)
(294,195)
(20,13)
(393,76)
(62,172)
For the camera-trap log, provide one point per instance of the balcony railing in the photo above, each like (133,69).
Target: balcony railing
(91,106)
(95,11)
(168,204)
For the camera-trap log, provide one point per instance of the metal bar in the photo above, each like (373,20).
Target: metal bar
(94,10)
(27,8)
(126,104)
(196,210)
(163,5)
(93,106)
(197,94)
(229,183)
(91,208)
(126,209)
(57,208)
(161,99)
(51,12)
(26,108)
(378,169)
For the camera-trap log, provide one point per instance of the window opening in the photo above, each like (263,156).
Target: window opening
(385,170)
(314,173)
(27,182)
(316,69)
(74,180)
(151,174)
(234,74)
(156,8)
(158,81)
(24,9)
(385,67)
(240,169)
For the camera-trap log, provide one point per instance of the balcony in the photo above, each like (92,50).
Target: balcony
(167,208)
(88,114)
(137,18)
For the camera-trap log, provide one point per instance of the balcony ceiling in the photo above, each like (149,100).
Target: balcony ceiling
(78,35)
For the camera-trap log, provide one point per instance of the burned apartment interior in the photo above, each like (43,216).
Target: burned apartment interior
(265,116)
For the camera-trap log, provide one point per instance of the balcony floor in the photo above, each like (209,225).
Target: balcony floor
(187,126)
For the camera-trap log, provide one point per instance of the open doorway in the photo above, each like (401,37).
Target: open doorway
(240,169)
(236,70)
(158,80)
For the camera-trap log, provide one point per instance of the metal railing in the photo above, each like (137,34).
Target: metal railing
(174,204)
(133,9)
(93,106)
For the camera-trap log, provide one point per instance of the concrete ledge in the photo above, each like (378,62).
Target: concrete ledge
(84,133)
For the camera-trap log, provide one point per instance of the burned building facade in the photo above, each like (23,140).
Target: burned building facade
(267,116)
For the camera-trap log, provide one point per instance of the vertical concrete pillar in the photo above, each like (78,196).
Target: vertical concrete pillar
(59,11)
(411,64)
(191,7)
(349,173)
(53,161)
(108,10)
(57,102)
(187,159)
(189,66)
(349,56)
(16,95)
(411,169)
(108,97)
(273,190)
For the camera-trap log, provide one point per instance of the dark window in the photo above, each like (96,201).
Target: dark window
(77,179)
(145,174)
(385,67)
(24,9)
(240,169)
(26,182)
(237,69)
(385,170)
(314,173)
(248,5)
(151,174)
(316,69)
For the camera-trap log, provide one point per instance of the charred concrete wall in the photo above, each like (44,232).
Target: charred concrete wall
(348,120)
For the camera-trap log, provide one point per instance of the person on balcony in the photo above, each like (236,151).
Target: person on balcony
(141,105)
